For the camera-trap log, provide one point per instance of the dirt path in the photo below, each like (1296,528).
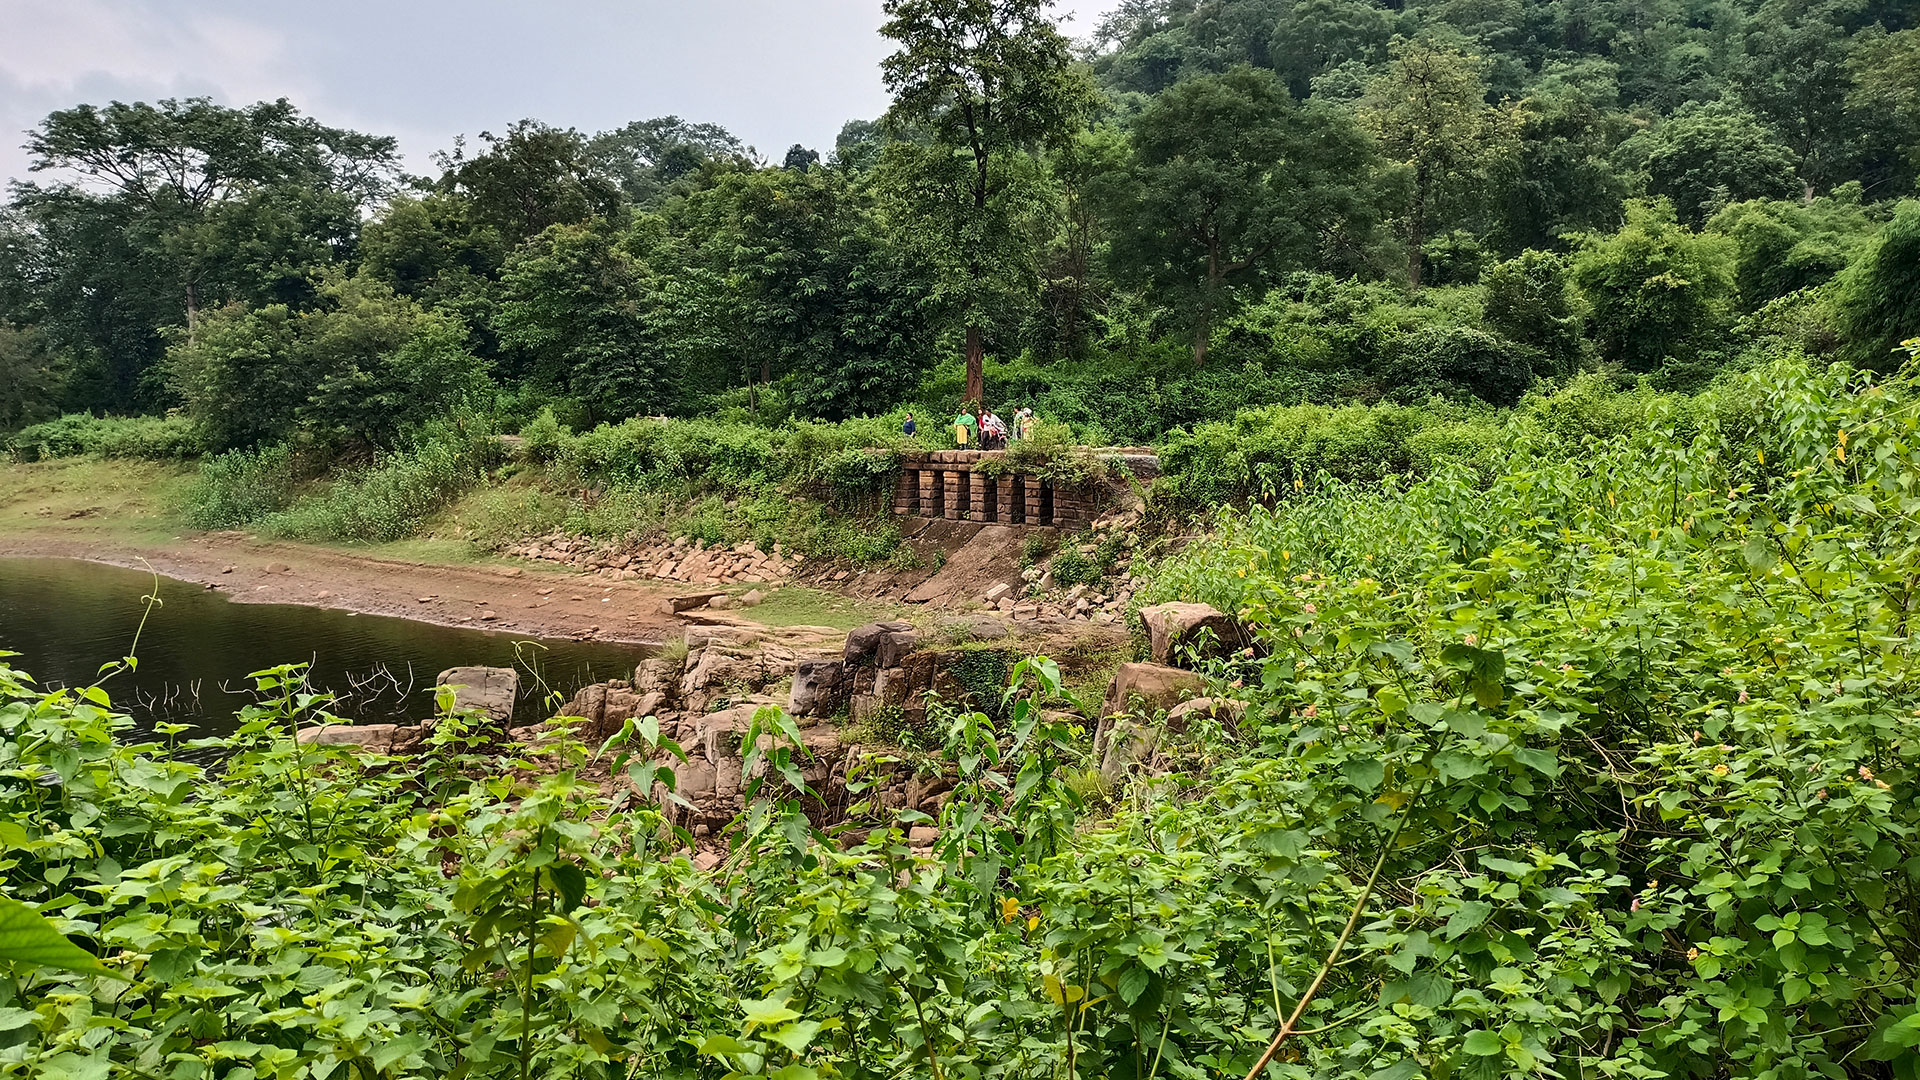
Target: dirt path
(537,601)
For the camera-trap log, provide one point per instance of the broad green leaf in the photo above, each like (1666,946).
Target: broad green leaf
(28,939)
(1484,1044)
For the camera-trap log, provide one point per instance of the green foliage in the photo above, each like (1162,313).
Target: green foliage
(1876,302)
(1529,301)
(1782,247)
(1269,455)
(1657,686)
(32,378)
(241,487)
(1071,567)
(1659,293)
(1203,209)
(1602,765)
(1706,156)
(1048,453)
(356,373)
(389,499)
(1428,109)
(544,437)
(1461,362)
(150,438)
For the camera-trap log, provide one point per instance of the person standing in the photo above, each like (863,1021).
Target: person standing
(964,428)
(909,428)
(993,431)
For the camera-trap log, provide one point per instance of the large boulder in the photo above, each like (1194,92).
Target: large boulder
(1172,628)
(487,690)
(878,644)
(1131,743)
(1143,689)
(721,670)
(820,687)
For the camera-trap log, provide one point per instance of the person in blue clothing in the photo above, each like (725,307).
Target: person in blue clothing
(909,427)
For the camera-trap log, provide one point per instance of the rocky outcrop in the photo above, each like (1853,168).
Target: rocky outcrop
(1125,733)
(372,738)
(724,671)
(865,644)
(819,688)
(691,561)
(1137,743)
(489,691)
(1174,630)
(1143,689)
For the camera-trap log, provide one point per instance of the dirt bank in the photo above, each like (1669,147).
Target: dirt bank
(535,601)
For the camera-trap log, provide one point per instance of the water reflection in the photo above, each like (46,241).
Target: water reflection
(66,618)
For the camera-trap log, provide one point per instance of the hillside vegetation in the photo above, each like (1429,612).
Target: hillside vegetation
(1602,765)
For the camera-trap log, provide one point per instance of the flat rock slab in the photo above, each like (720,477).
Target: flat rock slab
(488,690)
(692,601)
(375,738)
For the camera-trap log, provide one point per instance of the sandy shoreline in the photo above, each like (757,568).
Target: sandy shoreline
(536,601)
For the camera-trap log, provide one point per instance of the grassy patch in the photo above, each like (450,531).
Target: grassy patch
(796,605)
(90,494)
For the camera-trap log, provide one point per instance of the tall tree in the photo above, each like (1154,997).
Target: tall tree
(162,209)
(1886,70)
(1706,156)
(578,317)
(979,80)
(1429,111)
(534,176)
(1228,173)
(648,159)
(1658,292)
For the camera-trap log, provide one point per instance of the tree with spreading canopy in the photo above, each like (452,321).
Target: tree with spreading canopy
(1429,111)
(978,82)
(1226,174)
(162,209)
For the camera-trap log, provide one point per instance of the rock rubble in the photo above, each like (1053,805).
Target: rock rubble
(694,562)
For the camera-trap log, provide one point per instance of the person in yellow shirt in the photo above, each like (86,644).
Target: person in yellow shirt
(964,427)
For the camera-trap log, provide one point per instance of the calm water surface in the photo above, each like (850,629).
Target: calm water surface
(66,618)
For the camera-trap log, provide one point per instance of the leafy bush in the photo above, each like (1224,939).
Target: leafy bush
(241,487)
(1050,454)
(545,437)
(1656,690)
(1069,568)
(1603,767)
(382,502)
(270,489)
(151,438)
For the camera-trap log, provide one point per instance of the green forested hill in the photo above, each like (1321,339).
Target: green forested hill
(1208,206)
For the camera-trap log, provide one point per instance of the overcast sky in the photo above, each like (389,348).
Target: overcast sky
(774,72)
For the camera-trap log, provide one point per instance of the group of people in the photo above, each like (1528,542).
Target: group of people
(984,428)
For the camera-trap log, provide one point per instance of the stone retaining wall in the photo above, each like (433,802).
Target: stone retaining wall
(946,484)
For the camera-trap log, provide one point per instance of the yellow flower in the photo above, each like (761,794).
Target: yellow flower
(1033,921)
(1720,770)
(1009,909)
(1762,455)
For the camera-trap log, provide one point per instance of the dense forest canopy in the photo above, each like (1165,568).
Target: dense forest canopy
(1259,201)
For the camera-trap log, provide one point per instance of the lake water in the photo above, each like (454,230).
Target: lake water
(66,618)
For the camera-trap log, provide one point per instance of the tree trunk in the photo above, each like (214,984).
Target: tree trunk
(1203,323)
(1417,228)
(193,314)
(976,369)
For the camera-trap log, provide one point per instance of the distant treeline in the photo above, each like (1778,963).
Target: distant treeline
(1207,207)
